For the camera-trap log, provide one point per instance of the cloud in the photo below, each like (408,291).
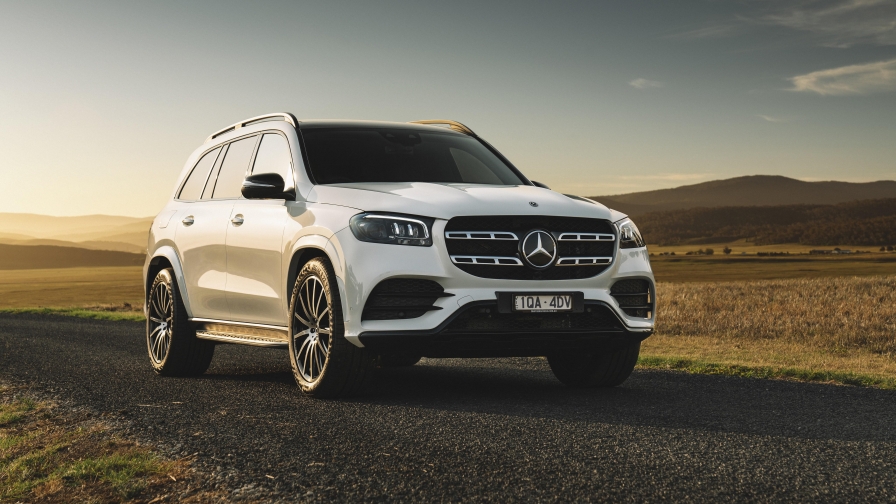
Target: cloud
(641,83)
(771,119)
(841,23)
(849,80)
(708,32)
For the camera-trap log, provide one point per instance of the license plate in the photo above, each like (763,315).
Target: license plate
(542,303)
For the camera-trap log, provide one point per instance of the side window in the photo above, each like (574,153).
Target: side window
(233,169)
(274,157)
(192,189)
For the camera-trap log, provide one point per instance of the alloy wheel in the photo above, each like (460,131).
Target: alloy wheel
(161,315)
(311,339)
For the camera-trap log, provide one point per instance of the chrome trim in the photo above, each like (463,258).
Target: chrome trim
(467,235)
(475,260)
(286,116)
(454,125)
(577,261)
(242,339)
(239,324)
(586,237)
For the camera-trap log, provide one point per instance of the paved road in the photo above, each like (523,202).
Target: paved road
(471,429)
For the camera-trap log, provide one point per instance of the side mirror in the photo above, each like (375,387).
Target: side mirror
(266,186)
(539,184)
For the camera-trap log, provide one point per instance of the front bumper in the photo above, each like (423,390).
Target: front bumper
(364,265)
(493,336)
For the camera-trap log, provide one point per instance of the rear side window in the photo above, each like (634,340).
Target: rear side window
(192,189)
(233,169)
(274,157)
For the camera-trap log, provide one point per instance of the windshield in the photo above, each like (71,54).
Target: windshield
(366,154)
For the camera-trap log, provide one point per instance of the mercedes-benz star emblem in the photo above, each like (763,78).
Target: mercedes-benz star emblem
(532,203)
(539,249)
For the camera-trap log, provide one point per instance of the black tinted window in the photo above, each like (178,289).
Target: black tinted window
(274,157)
(233,169)
(192,189)
(339,155)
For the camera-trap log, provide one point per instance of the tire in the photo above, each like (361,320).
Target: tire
(174,349)
(596,370)
(324,363)
(398,360)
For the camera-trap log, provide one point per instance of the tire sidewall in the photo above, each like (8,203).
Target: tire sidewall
(163,276)
(315,267)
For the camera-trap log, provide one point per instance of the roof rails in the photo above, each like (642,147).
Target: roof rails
(456,126)
(284,116)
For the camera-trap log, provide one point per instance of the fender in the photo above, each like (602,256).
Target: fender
(324,244)
(169,253)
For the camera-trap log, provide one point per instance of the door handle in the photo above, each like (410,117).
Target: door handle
(188,220)
(237,220)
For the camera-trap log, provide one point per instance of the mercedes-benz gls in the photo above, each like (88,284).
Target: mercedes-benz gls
(355,244)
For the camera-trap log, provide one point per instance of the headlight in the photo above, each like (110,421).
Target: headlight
(629,236)
(392,229)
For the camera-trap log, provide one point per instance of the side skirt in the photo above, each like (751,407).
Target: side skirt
(243,334)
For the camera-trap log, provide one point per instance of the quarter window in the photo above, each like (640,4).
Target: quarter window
(274,157)
(192,189)
(233,169)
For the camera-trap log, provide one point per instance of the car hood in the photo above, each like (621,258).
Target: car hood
(444,201)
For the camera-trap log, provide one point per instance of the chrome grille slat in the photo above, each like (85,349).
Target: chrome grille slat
(584,261)
(486,260)
(586,237)
(480,235)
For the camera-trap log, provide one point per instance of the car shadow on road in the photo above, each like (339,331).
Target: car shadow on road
(526,387)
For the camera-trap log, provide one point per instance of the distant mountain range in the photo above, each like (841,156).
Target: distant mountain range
(866,223)
(95,232)
(756,190)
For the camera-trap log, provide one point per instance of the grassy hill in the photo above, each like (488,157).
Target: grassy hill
(757,190)
(860,223)
(14,257)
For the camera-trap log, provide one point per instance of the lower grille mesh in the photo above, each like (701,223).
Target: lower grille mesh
(633,296)
(486,319)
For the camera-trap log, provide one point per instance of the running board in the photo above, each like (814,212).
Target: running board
(228,332)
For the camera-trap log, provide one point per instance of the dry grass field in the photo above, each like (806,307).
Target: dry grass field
(835,325)
(720,268)
(68,287)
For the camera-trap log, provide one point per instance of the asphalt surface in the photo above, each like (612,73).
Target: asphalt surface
(454,430)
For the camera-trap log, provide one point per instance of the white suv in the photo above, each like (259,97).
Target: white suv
(356,243)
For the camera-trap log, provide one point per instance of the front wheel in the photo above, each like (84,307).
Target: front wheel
(324,363)
(174,349)
(606,369)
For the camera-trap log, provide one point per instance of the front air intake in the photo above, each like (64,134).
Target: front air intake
(402,298)
(634,297)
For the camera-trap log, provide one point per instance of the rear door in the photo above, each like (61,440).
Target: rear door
(255,280)
(202,231)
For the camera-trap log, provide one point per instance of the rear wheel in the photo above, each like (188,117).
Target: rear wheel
(606,369)
(174,349)
(324,363)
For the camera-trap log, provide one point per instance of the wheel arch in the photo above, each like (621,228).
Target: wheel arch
(305,249)
(166,257)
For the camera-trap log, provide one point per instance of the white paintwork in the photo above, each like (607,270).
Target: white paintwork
(240,273)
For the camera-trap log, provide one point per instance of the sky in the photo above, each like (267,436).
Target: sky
(101,103)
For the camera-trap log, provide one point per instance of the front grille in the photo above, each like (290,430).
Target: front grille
(633,296)
(585,247)
(486,319)
(402,298)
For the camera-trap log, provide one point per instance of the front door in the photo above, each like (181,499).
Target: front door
(256,283)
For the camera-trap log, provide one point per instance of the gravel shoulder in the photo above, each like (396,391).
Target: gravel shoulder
(495,429)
